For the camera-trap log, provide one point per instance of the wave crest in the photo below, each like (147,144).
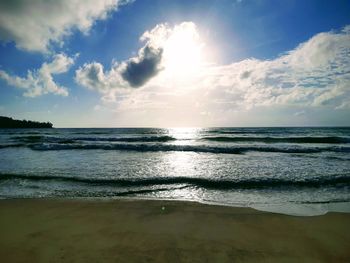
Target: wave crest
(185,148)
(306,139)
(249,183)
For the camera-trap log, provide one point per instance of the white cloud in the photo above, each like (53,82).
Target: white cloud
(134,72)
(35,25)
(39,82)
(151,59)
(94,77)
(316,74)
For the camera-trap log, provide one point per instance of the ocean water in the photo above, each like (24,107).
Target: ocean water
(301,171)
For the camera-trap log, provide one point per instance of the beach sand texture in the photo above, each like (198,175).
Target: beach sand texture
(44,230)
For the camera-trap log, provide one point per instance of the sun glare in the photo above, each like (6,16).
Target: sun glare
(183,51)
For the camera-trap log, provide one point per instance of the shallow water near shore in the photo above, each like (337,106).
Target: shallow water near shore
(302,171)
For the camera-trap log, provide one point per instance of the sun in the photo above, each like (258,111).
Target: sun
(183,50)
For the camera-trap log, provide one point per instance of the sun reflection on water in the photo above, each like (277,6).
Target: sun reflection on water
(183,135)
(181,164)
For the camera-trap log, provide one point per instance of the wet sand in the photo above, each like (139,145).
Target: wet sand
(44,230)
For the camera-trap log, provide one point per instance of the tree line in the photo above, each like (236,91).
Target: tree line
(6,122)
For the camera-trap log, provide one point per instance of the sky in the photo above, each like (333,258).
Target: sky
(176,63)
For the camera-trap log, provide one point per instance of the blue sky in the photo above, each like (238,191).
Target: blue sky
(206,63)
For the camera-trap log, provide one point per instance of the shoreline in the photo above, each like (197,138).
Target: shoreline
(289,209)
(134,230)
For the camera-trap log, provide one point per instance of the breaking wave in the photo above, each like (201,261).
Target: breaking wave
(329,140)
(37,138)
(249,183)
(186,148)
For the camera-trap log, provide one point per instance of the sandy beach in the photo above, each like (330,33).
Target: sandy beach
(44,230)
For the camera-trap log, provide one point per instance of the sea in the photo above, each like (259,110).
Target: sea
(296,171)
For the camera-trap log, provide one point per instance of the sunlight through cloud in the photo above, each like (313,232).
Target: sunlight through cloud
(183,51)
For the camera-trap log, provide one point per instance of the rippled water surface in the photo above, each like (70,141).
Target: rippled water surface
(296,168)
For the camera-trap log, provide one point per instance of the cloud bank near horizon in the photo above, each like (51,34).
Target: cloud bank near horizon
(315,74)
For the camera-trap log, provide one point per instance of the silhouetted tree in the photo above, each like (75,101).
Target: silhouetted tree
(6,122)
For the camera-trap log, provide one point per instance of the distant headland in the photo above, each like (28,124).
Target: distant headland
(6,122)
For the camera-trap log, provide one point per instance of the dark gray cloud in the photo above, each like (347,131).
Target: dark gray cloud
(246,74)
(142,68)
(134,72)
